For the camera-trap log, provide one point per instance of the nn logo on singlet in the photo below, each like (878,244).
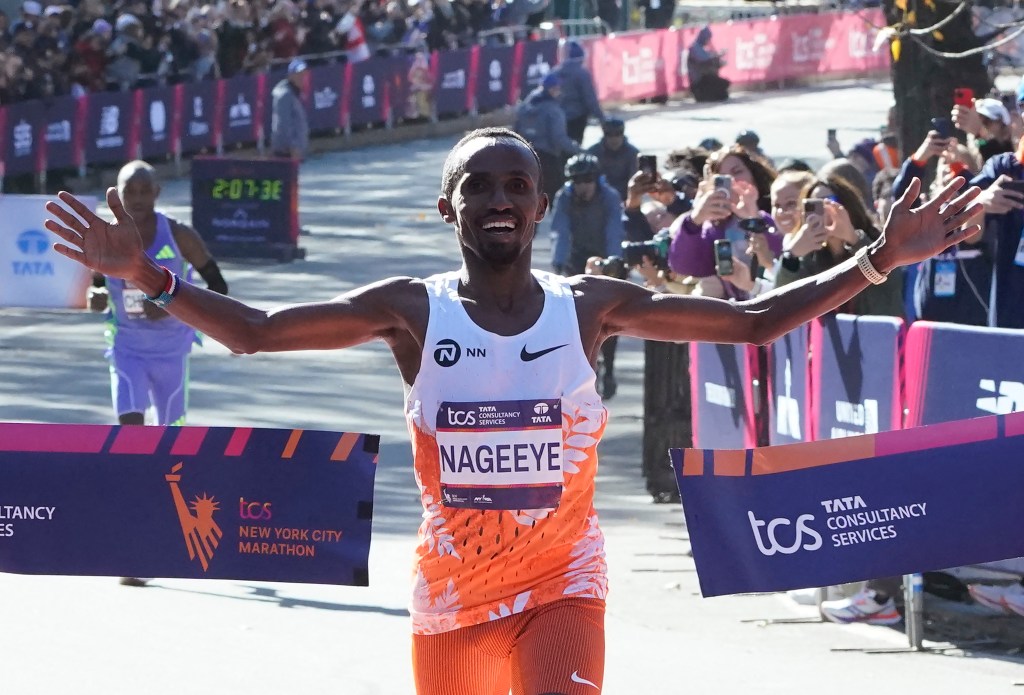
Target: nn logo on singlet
(447,352)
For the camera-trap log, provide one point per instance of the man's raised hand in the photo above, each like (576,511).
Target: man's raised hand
(915,234)
(113,249)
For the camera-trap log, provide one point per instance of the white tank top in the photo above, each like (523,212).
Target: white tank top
(504,431)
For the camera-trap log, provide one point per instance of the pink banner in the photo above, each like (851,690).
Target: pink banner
(636,66)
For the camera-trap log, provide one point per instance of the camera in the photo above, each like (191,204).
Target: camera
(754,225)
(613,267)
(633,252)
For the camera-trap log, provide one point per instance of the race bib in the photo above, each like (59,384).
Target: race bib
(945,278)
(134,302)
(501,454)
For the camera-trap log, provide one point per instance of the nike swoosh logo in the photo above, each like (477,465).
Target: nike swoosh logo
(527,356)
(575,677)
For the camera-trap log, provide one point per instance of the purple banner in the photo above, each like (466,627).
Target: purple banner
(856,375)
(451,92)
(326,86)
(206,503)
(60,120)
(494,78)
(367,99)
(831,512)
(108,125)
(789,388)
(23,137)
(956,372)
(155,121)
(198,117)
(238,110)
(539,57)
(722,397)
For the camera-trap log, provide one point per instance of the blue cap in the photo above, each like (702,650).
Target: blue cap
(296,66)
(551,80)
(574,51)
(1020,92)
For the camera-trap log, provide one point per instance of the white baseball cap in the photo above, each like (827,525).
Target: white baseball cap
(993,110)
(32,7)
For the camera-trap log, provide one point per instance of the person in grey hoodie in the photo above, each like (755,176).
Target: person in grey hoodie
(578,98)
(541,121)
(289,129)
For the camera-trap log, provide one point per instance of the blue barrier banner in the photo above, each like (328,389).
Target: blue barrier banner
(108,122)
(538,59)
(190,502)
(198,117)
(155,120)
(494,78)
(722,396)
(325,86)
(367,100)
(451,91)
(238,110)
(23,137)
(958,372)
(789,389)
(60,120)
(844,510)
(856,375)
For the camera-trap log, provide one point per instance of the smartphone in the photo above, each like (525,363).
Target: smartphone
(814,206)
(963,96)
(831,133)
(723,257)
(754,225)
(648,164)
(723,182)
(943,126)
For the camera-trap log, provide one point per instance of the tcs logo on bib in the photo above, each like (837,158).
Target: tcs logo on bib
(773,545)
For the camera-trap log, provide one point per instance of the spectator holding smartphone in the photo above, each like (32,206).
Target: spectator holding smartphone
(736,186)
(987,123)
(835,225)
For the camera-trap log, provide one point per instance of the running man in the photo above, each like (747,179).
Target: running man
(503,413)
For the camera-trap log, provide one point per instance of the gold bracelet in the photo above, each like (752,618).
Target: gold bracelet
(869,270)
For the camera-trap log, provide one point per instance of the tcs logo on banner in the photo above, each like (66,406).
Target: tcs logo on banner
(769,543)
(254,511)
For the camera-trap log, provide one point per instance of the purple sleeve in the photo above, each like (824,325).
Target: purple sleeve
(691,251)
(775,239)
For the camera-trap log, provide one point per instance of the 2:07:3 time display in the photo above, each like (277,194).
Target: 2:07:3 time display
(246,189)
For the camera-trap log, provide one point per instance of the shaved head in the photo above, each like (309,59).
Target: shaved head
(136,168)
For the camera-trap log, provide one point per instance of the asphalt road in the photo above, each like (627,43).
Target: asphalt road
(372,214)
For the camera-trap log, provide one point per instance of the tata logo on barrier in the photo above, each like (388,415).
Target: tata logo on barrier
(773,544)
(495,84)
(202,534)
(58,131)
(254,511)
(158,119)
(240,113)
(32,243)
(369,92)
(324,98)
(537,70)
(1009,400)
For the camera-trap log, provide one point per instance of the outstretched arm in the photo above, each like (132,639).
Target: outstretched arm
(910,236)
(115,249)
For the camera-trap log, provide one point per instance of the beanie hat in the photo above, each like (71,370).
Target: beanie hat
(574,51)
(551,80)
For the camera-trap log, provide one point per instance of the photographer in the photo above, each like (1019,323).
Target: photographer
(639,225)
(587,217)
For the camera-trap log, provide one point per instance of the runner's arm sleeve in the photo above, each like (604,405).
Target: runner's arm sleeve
(212,276)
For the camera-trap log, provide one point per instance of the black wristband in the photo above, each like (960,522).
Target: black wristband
(790,262)
(213,278)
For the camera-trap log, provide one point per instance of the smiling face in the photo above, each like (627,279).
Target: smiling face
(786,205)
(496,202)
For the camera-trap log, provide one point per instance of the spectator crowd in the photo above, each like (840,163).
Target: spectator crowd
(51,49)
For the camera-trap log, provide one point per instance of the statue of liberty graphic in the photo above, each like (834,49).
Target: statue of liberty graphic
(201,532)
